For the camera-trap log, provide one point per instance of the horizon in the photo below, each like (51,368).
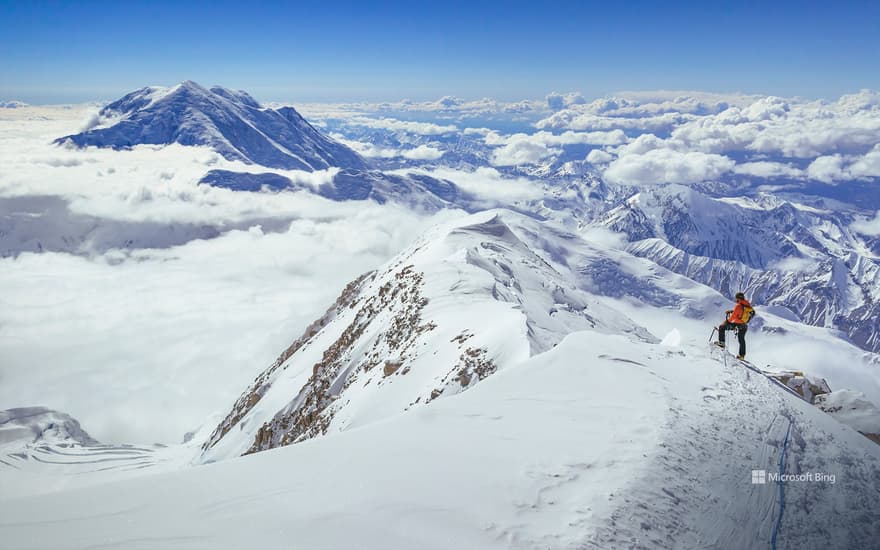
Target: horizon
(56,53)
(638,94)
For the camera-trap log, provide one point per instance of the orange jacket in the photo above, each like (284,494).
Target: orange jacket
(735,316)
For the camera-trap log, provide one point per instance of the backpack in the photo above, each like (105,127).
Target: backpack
(748,313)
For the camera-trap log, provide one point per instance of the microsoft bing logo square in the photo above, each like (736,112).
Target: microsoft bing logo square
(759,477)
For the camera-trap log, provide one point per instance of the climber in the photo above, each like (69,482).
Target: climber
(738,320)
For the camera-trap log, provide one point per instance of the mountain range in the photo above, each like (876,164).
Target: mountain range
(733,239)
(529,373)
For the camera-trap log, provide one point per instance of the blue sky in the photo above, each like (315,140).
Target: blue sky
(336,51)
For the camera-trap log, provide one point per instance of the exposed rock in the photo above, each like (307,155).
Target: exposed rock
(808,387)
(255,392)
(311,411)
(391,367)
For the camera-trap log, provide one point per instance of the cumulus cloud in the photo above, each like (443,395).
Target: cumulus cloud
(576,119)
(477,131)
(487,183)
(420,128)
(652,112)
(522,152)
(371,150)
(518,149)
(446,107)
(365,149)
(765,169)
(794,264)
(667,166)
(867,166)
(643,144)
(423,152)
(868,226)
(826,168)
(598,156)
(788,128)
(604,237)
(557,101)
(838,138)
(833,168)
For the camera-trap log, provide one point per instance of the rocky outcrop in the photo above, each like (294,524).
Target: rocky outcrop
(255,392)
(311,411)
(808,387)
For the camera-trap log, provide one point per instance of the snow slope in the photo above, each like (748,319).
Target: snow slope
(601,442)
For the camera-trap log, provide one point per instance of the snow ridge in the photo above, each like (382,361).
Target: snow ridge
(412,332)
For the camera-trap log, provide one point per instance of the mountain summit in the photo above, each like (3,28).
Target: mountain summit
(231,122)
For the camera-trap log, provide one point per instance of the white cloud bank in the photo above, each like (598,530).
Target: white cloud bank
(394,125)
(518,149)
(444,107)
(870,227)
(765,169)
(667,166)
(833,168)
(488,184)
(773,137)
(423,152)
(557,101)
(371,150)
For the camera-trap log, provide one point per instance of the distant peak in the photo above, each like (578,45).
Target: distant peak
(229,121)
(189,86)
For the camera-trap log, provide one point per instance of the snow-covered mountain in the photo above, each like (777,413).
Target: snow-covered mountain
(416,330)
(31,425)
(782,253)
(230,122)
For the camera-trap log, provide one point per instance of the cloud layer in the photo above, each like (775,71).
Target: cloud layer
(687,139)
(145,345)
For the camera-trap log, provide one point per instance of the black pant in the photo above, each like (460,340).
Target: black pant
(740,334)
